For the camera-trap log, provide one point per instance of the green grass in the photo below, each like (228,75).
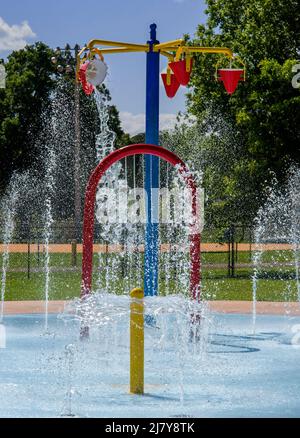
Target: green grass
(65,285)
(241,289)
(19,260)
(275,284)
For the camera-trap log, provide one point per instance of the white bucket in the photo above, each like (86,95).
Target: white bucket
(96,72)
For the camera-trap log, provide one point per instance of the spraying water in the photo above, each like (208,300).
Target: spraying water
(9,210)
(58,155)
(278,222)
(256,258)
(294,194)
(56,146)
(16,190)
(50,187)
(70,391)
(120,237)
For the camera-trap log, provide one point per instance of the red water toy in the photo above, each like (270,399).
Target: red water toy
(86,86)
(182,70)
(171,84)
(231,78)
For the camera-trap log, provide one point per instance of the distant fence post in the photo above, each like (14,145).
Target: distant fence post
(232,251)
(228,237)
(28,253)
(74,253)
(38,253)
(250,249)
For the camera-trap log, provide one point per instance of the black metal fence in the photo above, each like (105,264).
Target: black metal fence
(227,242)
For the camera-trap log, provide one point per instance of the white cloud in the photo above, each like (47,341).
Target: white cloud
(167,121)
(132,123)
(135,123)
(14,37)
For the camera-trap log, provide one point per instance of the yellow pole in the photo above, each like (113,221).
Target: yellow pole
(137,342)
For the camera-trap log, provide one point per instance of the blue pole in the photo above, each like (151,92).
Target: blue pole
(152,169)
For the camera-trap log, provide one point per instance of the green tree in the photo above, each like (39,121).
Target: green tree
(31,82)
(28,87)
(265,110)
(212,147)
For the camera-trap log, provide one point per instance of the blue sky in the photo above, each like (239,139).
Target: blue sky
(60,22)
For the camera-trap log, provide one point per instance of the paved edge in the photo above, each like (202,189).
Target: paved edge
(246,307)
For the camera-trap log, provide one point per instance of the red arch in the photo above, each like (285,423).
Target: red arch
(89,211)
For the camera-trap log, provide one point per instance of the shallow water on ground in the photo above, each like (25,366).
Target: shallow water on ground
(229,372)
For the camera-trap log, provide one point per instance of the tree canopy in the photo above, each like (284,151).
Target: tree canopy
(31,81)
(265,110)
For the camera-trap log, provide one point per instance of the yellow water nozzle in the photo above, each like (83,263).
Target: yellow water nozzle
(137,342)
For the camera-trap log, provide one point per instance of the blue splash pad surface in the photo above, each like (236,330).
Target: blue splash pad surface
(232,372)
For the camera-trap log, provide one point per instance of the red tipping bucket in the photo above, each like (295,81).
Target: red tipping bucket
(179,69)
(230,77)
(172,88)
(86,86)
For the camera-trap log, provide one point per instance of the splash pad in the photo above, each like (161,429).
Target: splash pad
(181,65)
(222,372)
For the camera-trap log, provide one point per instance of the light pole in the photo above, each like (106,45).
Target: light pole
(71,68)
(77,188)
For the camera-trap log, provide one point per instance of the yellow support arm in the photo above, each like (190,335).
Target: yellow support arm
(198,49)
(164,48)
(217,50)
(138,47)
(173,50)
(111,51)
(168,44)
(190,49)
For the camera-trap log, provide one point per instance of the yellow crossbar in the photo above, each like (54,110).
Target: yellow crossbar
(166,45)
(173,50)
(217,50)
(123,50)
(94,43)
